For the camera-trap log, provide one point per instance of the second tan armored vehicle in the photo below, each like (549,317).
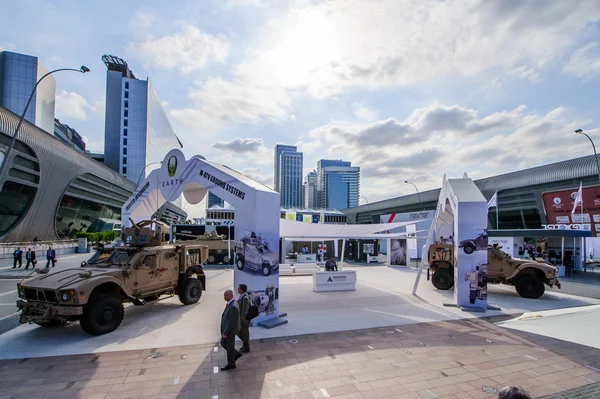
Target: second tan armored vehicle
(145,268)
(529,277)
(217,246)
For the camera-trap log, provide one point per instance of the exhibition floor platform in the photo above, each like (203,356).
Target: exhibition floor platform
(382,298)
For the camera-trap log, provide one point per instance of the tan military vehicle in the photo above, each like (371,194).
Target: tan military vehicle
(528,276)
(217,246)
(145,268)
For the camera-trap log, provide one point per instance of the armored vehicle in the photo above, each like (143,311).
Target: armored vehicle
(478,243)
(253,253)
(529,277)
(145,268)
(219,249)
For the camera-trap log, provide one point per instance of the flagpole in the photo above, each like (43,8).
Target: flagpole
(497,220)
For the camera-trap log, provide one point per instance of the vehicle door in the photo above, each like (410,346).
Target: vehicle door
(147,272)
(497,264)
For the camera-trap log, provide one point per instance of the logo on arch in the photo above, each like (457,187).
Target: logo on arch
(172,166)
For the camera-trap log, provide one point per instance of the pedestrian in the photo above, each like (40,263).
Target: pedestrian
(331,265)
(244,304)
(30,258)
(513,392)
(51,257)
(18,257)
(230,326)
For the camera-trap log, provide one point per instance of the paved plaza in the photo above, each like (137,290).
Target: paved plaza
(461,359)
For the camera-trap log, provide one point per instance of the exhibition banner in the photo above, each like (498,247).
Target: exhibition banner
(257,217)
(397,252)
(559,206)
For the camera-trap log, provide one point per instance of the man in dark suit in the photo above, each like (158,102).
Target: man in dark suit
(244,304)
(30,258)
(18,257)
(230,326)
(51,257)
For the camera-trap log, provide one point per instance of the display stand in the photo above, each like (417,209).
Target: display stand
(306,258)
(334,281)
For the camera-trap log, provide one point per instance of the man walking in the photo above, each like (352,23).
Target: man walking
(244,305)
(230,326)
(30,258)
(18,257)
(51,257)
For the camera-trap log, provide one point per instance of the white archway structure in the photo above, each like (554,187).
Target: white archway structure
(257,218)
(462,215)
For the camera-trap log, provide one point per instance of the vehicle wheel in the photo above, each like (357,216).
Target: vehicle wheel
(225,259)
(191,291)
(468,249)
(51,323)
(530,287)
(103,314)
(266,269)
(240,262)
(211,260)
(442,279)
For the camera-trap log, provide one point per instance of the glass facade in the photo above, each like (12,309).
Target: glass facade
(338,184)
(76,215)
(280,149)
(290,183)
(15,199)
(18,76)
(214,200)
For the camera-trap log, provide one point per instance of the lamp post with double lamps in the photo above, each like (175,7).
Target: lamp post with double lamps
(82,69)
(418,194)
(579,131)
(369,208)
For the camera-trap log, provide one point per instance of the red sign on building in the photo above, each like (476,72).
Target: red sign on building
(558,206)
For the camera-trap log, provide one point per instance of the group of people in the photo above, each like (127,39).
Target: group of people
(234,323)
(31,259)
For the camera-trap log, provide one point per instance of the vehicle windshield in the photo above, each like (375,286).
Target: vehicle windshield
(109,258)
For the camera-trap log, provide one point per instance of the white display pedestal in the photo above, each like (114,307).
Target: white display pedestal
(334,281)
(373,259)
(306,258)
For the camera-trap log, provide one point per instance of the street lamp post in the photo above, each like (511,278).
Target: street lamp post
(579,131)
(143,170)
(418,194)
(83,69)
(369,207)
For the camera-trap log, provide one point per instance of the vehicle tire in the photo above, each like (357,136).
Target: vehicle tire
(103,314)
(468,249)
(212,259)
(530,287)
(191,291)
(225,259)
(51,323)
(442,279)
(240,262)
(266,269)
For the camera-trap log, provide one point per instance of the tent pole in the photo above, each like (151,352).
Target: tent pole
(342,257)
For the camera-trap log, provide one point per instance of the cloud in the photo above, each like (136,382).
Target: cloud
(241,146)
(258,175)
(71,105)
(363,112)
(189,50)
(585,61)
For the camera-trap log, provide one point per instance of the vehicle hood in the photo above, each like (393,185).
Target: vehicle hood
(529,262)
(65,278)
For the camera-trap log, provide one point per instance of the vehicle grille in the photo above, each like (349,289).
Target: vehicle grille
(30,293)
(40,295)
(50,296)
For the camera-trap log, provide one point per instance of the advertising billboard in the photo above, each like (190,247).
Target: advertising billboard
(558,206)
(398,252)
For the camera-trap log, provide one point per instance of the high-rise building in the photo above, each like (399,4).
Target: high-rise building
(338,184)
(137,132)
(69,136)
(309,191)
(214,200)
(18,75)
(288,164)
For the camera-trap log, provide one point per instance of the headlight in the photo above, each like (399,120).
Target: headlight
(21,291)
(66,296)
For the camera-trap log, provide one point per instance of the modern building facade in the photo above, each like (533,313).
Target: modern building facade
(69,136)
(53,191)
(18,75)
(309,191)
(338,184)
(288,164)
(137,132)
(213,200)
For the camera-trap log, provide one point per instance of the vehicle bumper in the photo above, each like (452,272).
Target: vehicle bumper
(553,282)
(33,312)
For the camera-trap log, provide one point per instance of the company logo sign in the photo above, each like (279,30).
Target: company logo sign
(573,196)
(556,201)
(419,215)
(332,279)
(583,226)
(172,166)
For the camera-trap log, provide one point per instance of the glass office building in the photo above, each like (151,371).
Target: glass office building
(137,131)
(338,184)
(18,75)
(309,191)
(288,163)
(214,200)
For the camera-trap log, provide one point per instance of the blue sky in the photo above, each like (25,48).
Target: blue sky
(406,89)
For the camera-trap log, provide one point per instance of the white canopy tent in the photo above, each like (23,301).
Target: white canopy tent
(300,231)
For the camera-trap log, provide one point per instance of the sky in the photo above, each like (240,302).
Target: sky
(405,89)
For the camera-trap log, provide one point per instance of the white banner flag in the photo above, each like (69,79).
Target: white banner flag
(493,201)
(578,199)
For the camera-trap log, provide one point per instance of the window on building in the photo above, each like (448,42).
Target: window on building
(124,132)
(127,85)
(126,113)
(15,199)
(126,103)
(124,160)
(124,141)
(126,94)
(125,122)
(124,169)
(124,151)
(78,215)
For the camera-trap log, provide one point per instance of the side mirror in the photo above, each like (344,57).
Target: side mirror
(83,264)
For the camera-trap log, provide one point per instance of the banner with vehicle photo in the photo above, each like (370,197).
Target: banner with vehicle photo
(397,253)
(558,206)
(256,221)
